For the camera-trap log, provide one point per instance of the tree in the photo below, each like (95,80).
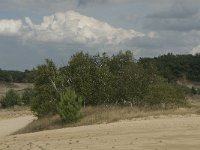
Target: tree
(47,84)
(81,75)
(69,106)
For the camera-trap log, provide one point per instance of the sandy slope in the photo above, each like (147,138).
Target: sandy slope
(165,133)
(11,125)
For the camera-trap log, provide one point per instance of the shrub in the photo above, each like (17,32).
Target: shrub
(69,106)
(27,96)
(165,94)
(11,99)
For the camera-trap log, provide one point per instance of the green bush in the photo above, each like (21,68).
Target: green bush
(69,106)
(11,99)
(165,94)
(27,96)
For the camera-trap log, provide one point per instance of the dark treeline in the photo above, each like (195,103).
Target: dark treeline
(16,76)
(174,67)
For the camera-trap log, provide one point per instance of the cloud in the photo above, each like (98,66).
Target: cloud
(196,50)
(10,27)
(69,27)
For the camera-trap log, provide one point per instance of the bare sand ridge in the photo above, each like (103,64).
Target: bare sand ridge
(164,133)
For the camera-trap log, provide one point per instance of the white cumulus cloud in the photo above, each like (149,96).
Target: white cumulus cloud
(10,27)
(69,27)
(196,50)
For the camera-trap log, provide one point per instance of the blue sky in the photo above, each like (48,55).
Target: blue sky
(33,30)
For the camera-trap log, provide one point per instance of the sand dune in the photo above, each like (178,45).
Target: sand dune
(165,133)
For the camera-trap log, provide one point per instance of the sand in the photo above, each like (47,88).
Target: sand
(11,125)
(164,133)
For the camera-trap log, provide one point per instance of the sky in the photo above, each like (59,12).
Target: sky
(34,30)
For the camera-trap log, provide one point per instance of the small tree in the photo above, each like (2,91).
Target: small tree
(11,99)
(69,106)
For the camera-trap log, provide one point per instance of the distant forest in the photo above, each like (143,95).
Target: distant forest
(174,67)
(170,66)
(16,76)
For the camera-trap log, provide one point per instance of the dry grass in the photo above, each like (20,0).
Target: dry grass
(98,115)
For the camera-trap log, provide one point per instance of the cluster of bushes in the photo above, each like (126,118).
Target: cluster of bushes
(100,80)
(12,98)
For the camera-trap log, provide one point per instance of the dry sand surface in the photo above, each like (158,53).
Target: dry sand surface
(14,113)
(11,125)
(163,133)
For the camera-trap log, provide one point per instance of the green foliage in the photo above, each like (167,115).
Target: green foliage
(16,76)
(81,74)
(174,67)
(27,96)
(100,80)
(164,94)
(11,99)
(69,106)
(46,87)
